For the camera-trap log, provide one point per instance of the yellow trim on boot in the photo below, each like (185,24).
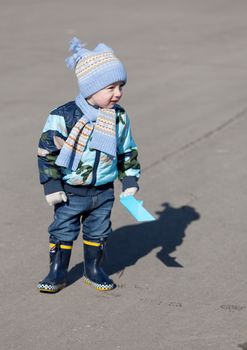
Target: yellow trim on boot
(68,247)
(94,244)
(62,246)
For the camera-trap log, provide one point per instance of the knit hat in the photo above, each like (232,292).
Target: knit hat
(95,69)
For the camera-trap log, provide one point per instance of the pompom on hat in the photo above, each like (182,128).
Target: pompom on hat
(95,69)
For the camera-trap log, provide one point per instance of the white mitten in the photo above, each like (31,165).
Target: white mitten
(131,191)
(56,197)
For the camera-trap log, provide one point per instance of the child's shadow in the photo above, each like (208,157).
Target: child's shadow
(130,243)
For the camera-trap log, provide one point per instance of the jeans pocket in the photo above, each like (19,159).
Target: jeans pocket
(111,193)
(70,194)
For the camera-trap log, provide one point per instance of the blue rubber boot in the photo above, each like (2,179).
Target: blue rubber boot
(59,262)
(93,273)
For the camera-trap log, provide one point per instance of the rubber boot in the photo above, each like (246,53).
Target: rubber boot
(59,262)
(93,273)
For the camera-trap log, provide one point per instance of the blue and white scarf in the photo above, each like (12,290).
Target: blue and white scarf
(97,127)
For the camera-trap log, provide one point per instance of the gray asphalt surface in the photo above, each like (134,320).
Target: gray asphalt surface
(182,280)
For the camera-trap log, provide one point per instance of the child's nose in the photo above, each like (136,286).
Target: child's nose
(118,92)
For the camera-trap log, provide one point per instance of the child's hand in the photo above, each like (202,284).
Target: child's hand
(56,197)
(131,191)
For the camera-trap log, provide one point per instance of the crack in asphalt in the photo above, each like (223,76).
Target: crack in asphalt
(192,143)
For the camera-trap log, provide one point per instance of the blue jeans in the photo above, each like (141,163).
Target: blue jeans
(91,211)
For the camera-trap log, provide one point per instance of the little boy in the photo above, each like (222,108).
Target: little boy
(85,145)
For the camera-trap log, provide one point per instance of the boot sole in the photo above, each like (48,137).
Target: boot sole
(47,288)
(98,286)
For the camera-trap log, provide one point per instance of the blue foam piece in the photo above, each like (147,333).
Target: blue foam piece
(136,209)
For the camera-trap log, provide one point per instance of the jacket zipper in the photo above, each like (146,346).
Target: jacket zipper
(95,167)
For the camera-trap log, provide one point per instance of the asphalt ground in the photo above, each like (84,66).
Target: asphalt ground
(182,278)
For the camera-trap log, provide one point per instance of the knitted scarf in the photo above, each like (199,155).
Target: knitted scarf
(103,134)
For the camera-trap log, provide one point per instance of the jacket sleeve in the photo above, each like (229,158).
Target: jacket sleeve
(53,136)
(128,164)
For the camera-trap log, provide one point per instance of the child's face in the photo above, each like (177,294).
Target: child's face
(107,97)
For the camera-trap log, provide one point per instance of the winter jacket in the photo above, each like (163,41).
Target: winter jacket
(95,168)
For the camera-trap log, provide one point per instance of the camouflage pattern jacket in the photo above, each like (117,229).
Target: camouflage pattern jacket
(95,167)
